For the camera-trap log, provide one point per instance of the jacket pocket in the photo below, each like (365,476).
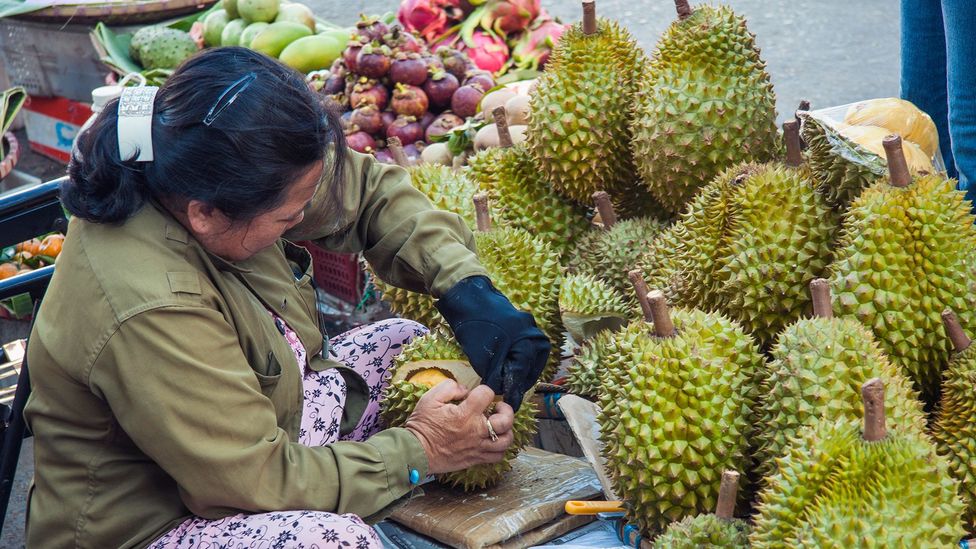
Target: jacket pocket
(272,374)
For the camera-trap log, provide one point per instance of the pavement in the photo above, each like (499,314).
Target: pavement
(829,52)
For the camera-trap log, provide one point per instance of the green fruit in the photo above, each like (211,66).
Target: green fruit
(259,10)
(401,397)
(213,26)
(230,6)
(952,429)
(249,32)
(588,368)
(829,154)
(311,53)
(683,408)
(588,78)
(166,49)
(818,367)
(834,489)
(521,197)
(705,103)
(141,37)
(588,305)
(905,255)
(297,13)
(276,36)
(231,35)
(705,531)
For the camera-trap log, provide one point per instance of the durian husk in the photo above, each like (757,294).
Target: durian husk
(904,256)
(953,427)
(818,368)
(834,489)
(829,156)
(401,398)
(705,531)
(588,305)
(705,103)
(588,368)
(676,412)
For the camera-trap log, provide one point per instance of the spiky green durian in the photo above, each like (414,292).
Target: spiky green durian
(579,131)
(705,103)
(447,189)
(829,155)
(609,254)
(780,240)
(955,419)
(521,197)
(818,367)
(588,368)
(588,305)
(439,350)
(683,407)
(705,531)
(833,488)
(906,254)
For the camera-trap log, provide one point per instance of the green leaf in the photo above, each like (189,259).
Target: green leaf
(18,305)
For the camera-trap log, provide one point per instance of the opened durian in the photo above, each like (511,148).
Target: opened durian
(588,305)
(710,530)
(705,103)
(848,483)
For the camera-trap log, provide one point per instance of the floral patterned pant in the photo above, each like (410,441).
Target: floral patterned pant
(370,351)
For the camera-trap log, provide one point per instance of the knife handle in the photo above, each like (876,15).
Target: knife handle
(593,507)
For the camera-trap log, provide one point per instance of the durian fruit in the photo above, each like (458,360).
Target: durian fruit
(907,252)
(579,129)
(955,419)
(521,196)
(422,364)
(841,168)
(588,367)
(683,399)
(705,103)
(897,116)
(711,530)
(609,253)
(818,365)
(848,484)
(588,305)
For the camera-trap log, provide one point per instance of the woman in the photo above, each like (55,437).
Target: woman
(184,395)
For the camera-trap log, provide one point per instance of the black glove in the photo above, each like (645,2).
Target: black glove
(503,344)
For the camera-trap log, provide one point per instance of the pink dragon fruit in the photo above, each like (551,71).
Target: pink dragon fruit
(425,17)
(505,17)
(488,52)
(532,49)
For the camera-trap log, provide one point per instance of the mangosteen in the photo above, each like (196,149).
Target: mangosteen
(370,91)
(388,117)
(406,128)
(373,61)
(440,87)
(360,141)
(443,124)
(481,78)
(465,100)
(371,28)
(454,62)
(367,118)
(409,101)
(408,69)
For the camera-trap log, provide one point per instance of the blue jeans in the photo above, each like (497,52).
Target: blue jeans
(938,74)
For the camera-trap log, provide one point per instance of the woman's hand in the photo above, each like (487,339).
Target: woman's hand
(456,436)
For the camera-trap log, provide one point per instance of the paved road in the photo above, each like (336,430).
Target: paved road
(830,52)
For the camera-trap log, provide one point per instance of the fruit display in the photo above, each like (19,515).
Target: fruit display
(952,429)
(30,255)
(705,103)
(852,483)
(588,305)
(425,362)
(498,35)
(845,149)
(717,529)
(907,253)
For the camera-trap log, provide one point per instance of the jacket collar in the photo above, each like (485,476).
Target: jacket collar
(176,232)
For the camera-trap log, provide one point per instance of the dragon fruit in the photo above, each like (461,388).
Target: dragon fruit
(425,17)
(487,51)
(506,17)
(532,49)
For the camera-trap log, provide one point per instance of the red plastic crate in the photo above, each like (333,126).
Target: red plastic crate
(337,274)
(52,124)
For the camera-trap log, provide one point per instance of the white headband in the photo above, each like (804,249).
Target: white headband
(135,123)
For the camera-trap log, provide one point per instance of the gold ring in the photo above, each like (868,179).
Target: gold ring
(491,430)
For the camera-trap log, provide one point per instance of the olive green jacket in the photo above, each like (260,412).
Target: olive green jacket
(162,387)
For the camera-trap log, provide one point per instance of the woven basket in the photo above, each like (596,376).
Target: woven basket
(117,13)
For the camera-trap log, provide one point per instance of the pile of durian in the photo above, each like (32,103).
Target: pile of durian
(724,300)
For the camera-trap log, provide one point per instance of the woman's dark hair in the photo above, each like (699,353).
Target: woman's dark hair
(242,164)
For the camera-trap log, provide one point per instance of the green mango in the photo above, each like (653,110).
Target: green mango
(258,10)
(276,36)
(250,32)
(311,53)
(213,26)
(231,35)
(299,13)
(230,6)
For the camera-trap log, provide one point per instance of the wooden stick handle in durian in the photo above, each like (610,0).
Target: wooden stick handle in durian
(501,124)
(897,165)
(726,495)
(873,393)
(960,341)
(683,8)
(603,205)
(396,149)
(481,212)
(820,292)
(791,133)
(589,17)
(663,326)
(802,107)
(641,289)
